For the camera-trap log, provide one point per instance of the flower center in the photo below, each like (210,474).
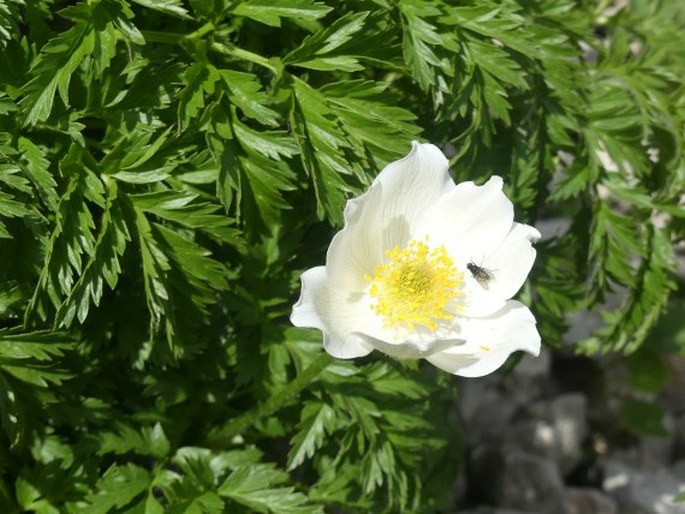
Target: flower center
(414,286)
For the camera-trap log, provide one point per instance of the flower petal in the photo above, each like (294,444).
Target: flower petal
(512,261)
(477,301)
(336,316)
(402,343)
(471,221)
(490,341)
(412,348)
(412,185)
(387,214)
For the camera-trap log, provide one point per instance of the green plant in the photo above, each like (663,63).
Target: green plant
(168,168)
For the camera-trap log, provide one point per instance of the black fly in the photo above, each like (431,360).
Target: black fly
(482,275)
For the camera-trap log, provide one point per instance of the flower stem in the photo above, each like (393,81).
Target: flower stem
(222,437)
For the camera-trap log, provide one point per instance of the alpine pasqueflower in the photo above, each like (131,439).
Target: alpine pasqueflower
(424,268)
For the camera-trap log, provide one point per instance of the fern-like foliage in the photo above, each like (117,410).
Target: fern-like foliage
(168,168)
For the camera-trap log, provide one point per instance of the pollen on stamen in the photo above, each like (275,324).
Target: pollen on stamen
(415,287)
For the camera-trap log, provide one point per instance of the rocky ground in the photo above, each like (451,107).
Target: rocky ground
(547,438)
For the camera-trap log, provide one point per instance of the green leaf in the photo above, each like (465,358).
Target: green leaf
(121,14)
(27,493)
(647,371)
(180,208)
(315,50)
(419,36)
(245,92)
(36,170)
(199,80)
(497,63)
(643,418)
(148,441)
(258,487)
(122,440)
(200,155)
(118,487)
(102,267)
(53,70)
(71,243)
(273,144)
(501,22)
(172,7)
(142,177)
(322,147)
(374,123)
(155,267)
(249,182)
(31,366)
(576,179)
(270,12)
(10,208)
(628,326)
(387,380)
(11,175)
(317,419)
(33,357)
(193,259)
(9,17)
(41,346)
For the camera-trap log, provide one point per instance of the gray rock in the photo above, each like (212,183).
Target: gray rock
(511,478)
(589,501)
(531,368)
(645,492)
(494,510)
(474,393)
(678,470)
(521,440)
(651,452)
(673,395)
(654,493)
(679,436)
(515,511)
(490,422)
(530,379)
(554,429)
(617,477)
(460,489)
(512,511)
(570,427)
(656,452)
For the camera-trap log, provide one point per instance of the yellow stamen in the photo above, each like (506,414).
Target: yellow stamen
(485,348)
(415,286)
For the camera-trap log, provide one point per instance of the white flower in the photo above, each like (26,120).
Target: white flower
(426,269)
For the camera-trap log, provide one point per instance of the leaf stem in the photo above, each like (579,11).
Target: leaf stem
(222,437)
(202,31)
(158,36)
(274,65)
(173,38)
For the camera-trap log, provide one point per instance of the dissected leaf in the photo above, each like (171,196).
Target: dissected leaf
(168,168)
(270,12)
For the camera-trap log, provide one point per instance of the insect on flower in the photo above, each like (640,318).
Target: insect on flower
(481,274)
(397,279)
